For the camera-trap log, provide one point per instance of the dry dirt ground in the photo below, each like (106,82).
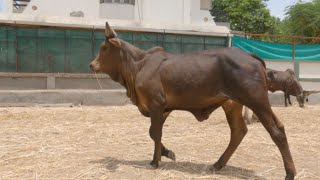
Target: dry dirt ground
(113,143)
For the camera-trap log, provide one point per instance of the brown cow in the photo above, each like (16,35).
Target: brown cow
(158,82)
(287,82)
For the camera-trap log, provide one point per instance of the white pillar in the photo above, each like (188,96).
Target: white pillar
(187,11)
(138,15)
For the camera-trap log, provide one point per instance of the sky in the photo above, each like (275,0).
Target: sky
(1,5)
(277,7)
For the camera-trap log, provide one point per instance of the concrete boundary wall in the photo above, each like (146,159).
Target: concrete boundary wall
(34,81)
(73,97)
(115,97)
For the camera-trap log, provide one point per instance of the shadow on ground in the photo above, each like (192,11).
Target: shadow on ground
(112,164)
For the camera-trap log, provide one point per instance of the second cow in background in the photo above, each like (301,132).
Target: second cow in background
(287,82)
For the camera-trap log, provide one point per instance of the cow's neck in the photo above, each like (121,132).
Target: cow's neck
(129,66)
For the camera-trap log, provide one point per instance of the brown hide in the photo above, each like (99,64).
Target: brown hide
(287,82)
(158,82)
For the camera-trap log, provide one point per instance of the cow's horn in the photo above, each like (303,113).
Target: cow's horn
(109,32)
(307,93)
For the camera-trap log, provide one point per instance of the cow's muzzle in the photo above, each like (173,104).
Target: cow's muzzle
(94,66)
(91,67)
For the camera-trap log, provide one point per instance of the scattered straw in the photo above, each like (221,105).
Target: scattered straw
(114,143)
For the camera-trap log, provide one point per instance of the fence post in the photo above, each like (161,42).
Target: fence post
(295,62)
(16,50)
(7,48)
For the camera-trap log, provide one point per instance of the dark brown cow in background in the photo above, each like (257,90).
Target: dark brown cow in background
(158,82)
(281,81)
(287,82)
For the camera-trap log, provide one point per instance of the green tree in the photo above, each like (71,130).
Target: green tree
(246,15)
(303,19)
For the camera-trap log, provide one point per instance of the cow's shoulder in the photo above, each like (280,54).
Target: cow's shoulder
(150,69)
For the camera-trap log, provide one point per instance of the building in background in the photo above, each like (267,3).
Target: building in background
(164,14)
(62,36)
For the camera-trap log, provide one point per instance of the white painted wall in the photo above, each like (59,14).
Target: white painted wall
(90,8)
(169,15)
(164,11)
(279,65)
(198,15)
(175,12)
(117,11)
(309,69)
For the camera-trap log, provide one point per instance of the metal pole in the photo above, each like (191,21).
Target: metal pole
(293,48)
(16,50)
(93,46)
(7,46)
(279,36)
(295,63)
(37,53)
(65,52)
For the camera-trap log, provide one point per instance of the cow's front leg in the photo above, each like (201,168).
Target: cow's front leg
(288,97)
(285,99)
(155,132)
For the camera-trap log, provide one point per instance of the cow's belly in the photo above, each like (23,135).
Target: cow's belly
(193,101)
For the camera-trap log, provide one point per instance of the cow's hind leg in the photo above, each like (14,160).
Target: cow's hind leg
(167,153)
(238,129)
(276,130)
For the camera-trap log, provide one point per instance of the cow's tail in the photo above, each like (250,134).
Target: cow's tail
(265,67)
(259,59)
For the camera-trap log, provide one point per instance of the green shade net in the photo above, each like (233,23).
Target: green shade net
(276,51)
(47,50)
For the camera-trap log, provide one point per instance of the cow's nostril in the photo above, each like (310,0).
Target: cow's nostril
(90,65)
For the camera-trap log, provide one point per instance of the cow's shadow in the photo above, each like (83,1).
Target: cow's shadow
(112,164)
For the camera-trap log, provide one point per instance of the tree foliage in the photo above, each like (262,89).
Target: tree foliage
(303,19)
(247,15)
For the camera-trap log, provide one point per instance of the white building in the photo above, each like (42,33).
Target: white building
(170,15)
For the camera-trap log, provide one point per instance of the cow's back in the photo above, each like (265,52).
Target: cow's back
(278,80)
(203,77)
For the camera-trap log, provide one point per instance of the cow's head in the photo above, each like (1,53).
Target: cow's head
(109,55)
(301,98)
(304,97)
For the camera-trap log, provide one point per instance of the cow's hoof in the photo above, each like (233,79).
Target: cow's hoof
(171,155)
(289,177)
(154,164)
(216,167)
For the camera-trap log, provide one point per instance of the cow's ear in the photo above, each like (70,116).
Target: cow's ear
(115,41)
